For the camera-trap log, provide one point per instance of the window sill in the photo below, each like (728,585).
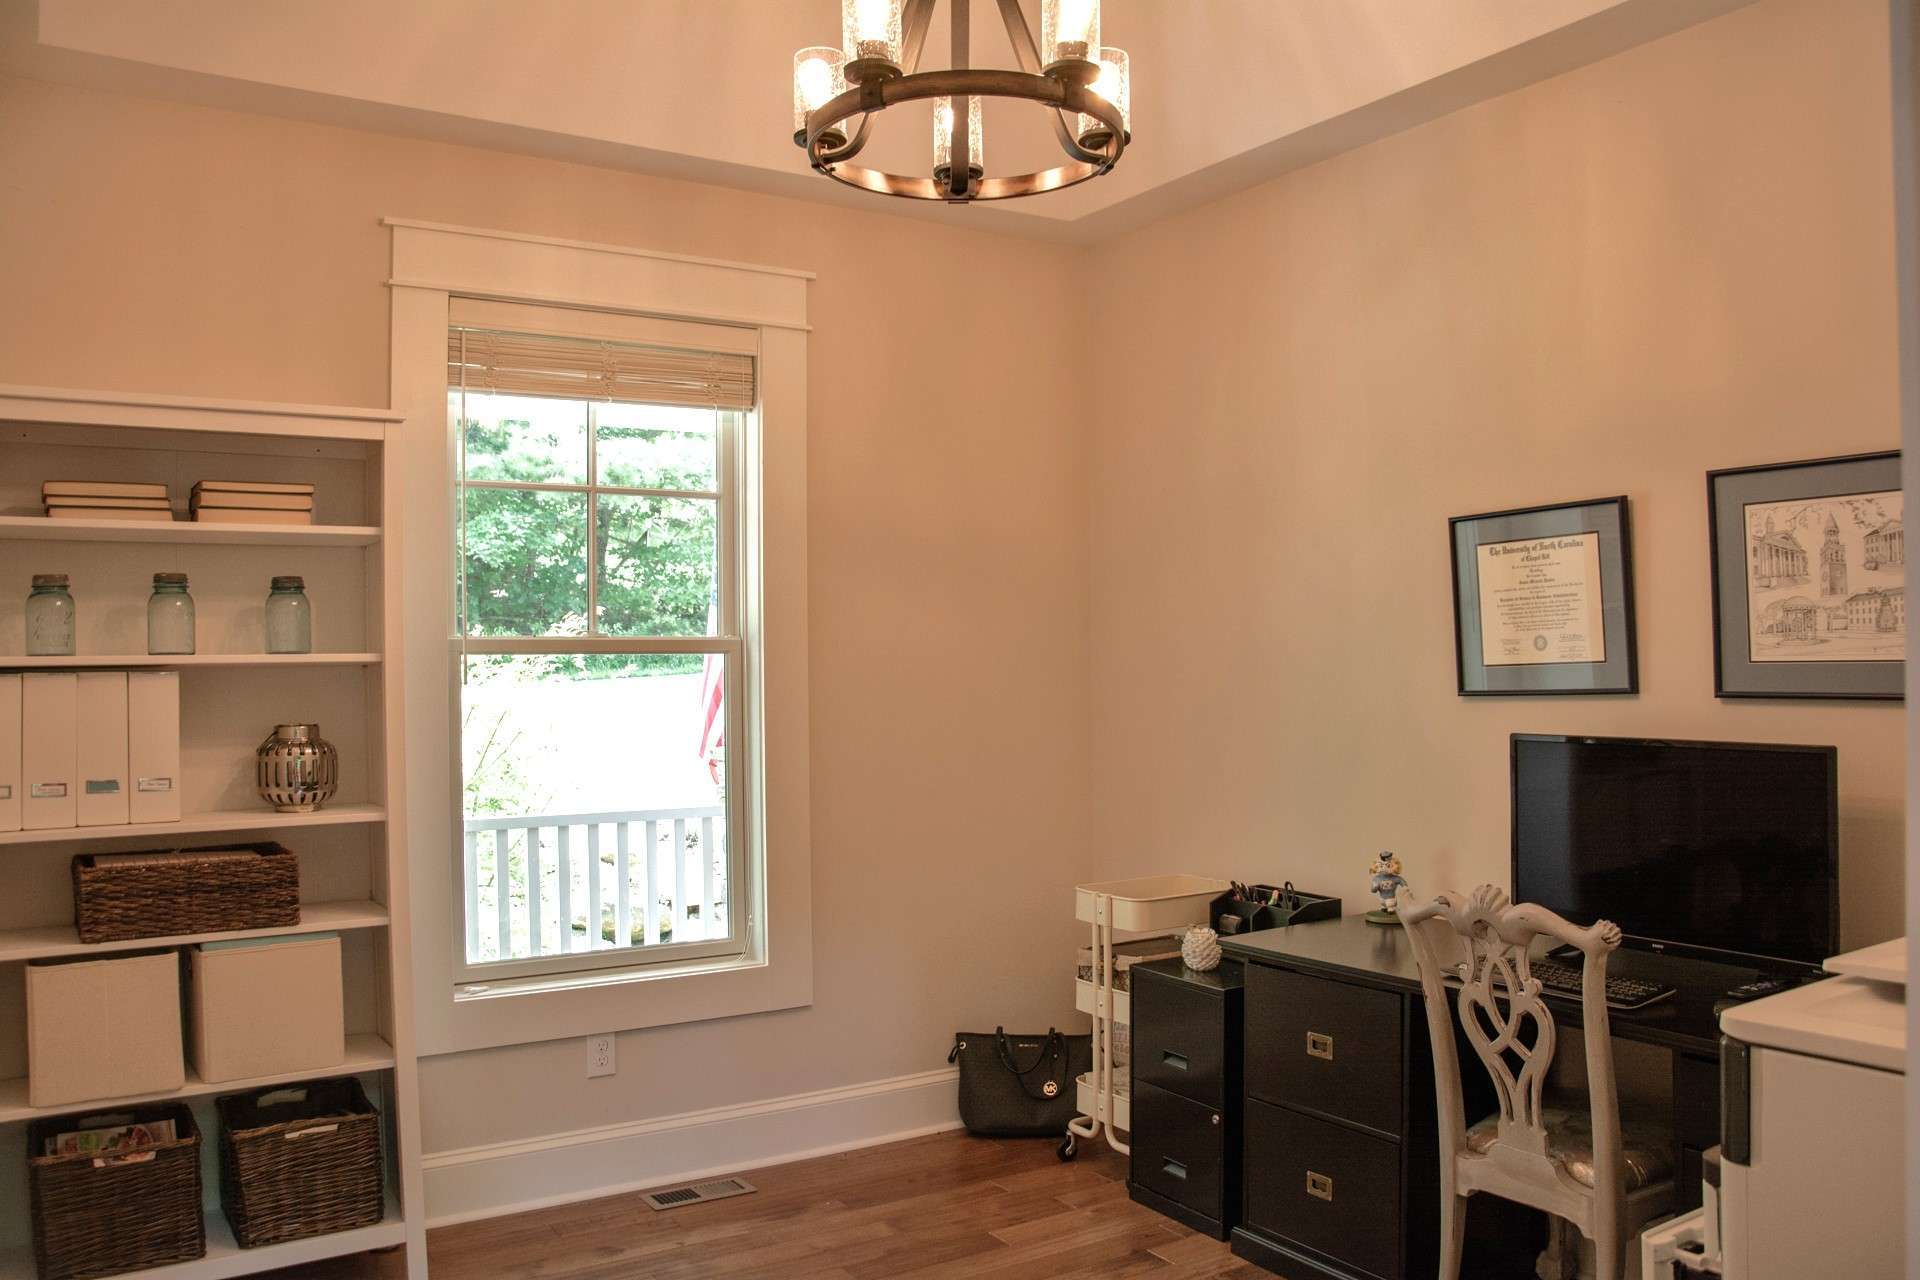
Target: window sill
(588,980)
(530,1009)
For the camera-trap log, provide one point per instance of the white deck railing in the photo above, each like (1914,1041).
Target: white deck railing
(665,870)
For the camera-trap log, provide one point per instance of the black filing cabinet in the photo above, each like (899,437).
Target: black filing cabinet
(1186,1092)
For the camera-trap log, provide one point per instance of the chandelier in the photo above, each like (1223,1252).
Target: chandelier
(1082,85)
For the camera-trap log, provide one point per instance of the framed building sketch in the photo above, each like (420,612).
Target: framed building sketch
(1543,600)
(1809,579)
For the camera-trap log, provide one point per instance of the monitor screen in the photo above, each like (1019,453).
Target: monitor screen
(1706,847)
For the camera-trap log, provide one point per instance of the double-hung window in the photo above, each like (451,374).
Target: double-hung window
(601,667)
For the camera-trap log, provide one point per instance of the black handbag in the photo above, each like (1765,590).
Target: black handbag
(1019,1086)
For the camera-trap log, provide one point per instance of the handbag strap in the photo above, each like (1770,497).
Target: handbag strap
(1053,1047)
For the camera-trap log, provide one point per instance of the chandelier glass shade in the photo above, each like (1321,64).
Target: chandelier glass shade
(838,93)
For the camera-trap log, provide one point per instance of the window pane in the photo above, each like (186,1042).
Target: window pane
(657,561)
(527,438)
(526,563)
(650,446)
(634,741)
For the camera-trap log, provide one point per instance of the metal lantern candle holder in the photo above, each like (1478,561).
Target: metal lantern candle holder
(295,769)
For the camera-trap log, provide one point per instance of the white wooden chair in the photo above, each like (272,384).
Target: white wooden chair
(1579,1167)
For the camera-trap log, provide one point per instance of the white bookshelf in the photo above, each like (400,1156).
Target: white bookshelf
(353,863)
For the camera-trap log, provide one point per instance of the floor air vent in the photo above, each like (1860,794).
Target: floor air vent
(697,1192)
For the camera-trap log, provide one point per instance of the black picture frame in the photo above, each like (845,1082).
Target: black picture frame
(1619,672)
(1730,492)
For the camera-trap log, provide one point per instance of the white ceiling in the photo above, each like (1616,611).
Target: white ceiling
(1225,92)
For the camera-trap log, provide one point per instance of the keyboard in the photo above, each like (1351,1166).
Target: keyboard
(1622,993)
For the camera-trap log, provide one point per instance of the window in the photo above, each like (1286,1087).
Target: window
(599,532)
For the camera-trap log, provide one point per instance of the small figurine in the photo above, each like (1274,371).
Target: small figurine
(1387,882)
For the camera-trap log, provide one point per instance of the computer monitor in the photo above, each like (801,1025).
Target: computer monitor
(1724,850)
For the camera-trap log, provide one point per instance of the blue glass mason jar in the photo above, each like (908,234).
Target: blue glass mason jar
(50,617)
(169,615)
(289,617)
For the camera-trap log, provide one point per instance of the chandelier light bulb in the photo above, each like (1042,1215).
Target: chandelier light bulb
(943,139)
(1113,84)
(870,33)
(1069,32)
(819,76)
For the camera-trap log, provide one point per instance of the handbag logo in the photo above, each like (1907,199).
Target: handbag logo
(1050,1088)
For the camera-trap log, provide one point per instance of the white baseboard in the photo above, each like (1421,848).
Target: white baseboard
(584,1164)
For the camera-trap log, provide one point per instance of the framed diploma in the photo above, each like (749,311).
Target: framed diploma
(1809,579)
(1543,600)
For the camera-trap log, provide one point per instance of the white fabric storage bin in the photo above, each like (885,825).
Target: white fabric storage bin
(10,785)
(49,750)
(101,1029)
(267,1008)
(153,746)
(101,781)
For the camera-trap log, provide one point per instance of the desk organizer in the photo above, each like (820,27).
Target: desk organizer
(212,890)
(300,1161)
(98,1214)
(1313,906)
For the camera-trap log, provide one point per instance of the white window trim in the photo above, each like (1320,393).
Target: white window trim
(430,264)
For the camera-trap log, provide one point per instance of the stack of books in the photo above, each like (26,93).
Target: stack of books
(105,500)
(252,502)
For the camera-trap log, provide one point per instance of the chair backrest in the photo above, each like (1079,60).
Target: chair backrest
(1509,1025)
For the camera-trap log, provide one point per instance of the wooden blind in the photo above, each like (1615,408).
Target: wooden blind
(531,364)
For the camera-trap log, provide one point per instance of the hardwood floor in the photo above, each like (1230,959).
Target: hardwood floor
(933,1208)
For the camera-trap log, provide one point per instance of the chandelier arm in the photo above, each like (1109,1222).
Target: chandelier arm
(1071,145)
(959,119)
(1020,36)
(854,146)
(915,19)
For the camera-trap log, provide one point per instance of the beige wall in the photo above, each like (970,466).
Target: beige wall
(1677,259)
(177,249)
(1673,260)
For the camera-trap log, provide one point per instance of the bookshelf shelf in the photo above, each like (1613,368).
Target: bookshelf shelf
(213,822)
(48,942)
(171,662)
(364,1053)
(226,1258)
(188,533)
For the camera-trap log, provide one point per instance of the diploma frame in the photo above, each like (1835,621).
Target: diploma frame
(1617,671)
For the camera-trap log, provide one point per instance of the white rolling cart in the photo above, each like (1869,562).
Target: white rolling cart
(1116,910)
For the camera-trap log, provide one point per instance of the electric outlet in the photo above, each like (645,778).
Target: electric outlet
(600,1060)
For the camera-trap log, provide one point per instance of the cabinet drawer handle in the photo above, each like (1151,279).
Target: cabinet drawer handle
(1178,1061)
(1319,1046)
(1319,1186)
(1174,1168)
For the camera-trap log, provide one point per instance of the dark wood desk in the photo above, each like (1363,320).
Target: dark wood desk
(1360,1095)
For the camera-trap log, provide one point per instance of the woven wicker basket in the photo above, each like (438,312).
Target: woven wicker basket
(177,892)
(301,1161)
(101,1215)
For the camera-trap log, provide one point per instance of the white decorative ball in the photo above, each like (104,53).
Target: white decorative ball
(1200,949)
